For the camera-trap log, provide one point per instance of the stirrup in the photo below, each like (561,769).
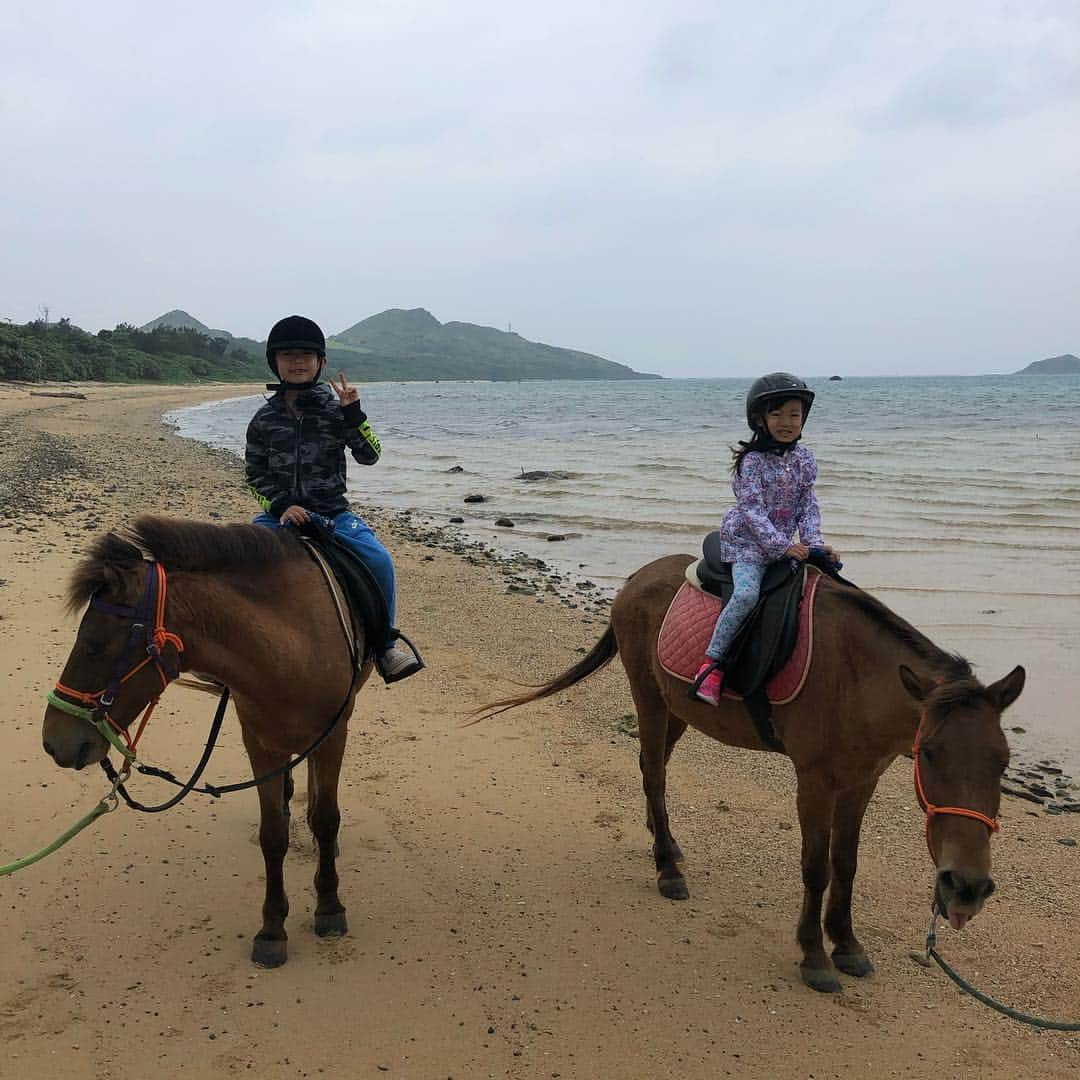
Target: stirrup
(410,667)
(695,686)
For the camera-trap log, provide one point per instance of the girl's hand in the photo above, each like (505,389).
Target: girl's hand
(346,394)
(798,551)
(295,515)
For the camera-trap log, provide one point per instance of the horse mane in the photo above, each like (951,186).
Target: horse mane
(954,667)
(179,545)
(958,686)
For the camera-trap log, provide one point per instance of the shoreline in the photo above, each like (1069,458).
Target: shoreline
(620,507)
(1033,777)
(504,918)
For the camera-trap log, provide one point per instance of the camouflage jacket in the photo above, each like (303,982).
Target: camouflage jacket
(301,461)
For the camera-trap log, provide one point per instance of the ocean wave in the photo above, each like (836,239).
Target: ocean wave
(659,466)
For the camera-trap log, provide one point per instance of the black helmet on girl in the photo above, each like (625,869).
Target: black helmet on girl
(294,332)
(779,386)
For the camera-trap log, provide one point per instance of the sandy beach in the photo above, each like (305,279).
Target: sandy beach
(504,920)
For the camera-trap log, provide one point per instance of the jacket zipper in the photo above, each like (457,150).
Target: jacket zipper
(297,486)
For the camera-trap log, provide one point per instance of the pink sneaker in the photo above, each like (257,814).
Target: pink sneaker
(709,688)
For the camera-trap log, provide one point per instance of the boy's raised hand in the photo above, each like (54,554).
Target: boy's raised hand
(346,393)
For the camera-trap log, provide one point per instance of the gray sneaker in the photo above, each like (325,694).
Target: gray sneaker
(396,664)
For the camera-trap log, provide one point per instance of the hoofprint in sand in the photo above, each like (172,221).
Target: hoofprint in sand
(504,920)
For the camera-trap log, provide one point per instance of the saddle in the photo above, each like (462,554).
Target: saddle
(769,657)
(767,638)
(363,596)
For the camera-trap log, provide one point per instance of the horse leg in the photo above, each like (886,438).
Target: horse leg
(269,948)
(290,788)
(815,803)
(848,955)
(313,786)
(658,732)
(324,817)
(676,728)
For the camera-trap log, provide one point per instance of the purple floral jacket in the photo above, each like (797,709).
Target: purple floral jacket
(774,497)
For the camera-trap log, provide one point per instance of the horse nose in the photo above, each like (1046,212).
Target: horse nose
(963,889)
(76,759)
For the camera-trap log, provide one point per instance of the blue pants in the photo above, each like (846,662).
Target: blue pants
(747,578)
(358,535)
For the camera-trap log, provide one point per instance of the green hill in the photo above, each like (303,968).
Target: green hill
(178,319)
(413,344)
(394,345)
(181,320)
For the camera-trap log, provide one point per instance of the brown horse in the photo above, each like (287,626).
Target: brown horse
(248,607)
(852,718)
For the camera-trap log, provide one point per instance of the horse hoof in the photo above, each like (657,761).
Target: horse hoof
(673,888)
(857,964)
(334,925)
(269,954)
(822,980)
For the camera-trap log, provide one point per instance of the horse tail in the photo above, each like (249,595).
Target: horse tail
(602,653)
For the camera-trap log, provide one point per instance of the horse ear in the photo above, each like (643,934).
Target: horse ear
(112,577)
(1005,691)
(912,684)
(114,580)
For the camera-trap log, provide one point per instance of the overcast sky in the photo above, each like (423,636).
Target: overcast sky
(698,188)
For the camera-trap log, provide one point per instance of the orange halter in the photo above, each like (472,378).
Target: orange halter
(932,811)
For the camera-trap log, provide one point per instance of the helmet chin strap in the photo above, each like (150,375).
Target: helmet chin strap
(275,386)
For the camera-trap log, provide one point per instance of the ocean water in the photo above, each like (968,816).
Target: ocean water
(956,499)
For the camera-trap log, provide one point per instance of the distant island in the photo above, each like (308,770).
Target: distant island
(395,345)
(1066,364)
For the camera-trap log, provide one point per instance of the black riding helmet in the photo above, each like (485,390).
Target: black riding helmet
(779,386)
(294,332)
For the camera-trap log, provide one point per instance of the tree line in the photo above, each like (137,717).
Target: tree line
(42,351)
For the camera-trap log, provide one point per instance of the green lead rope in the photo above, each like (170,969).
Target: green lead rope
(105,806)
(110,802)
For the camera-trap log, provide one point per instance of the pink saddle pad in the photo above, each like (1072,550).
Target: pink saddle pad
(689,623)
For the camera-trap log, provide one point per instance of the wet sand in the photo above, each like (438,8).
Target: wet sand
(503,915)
